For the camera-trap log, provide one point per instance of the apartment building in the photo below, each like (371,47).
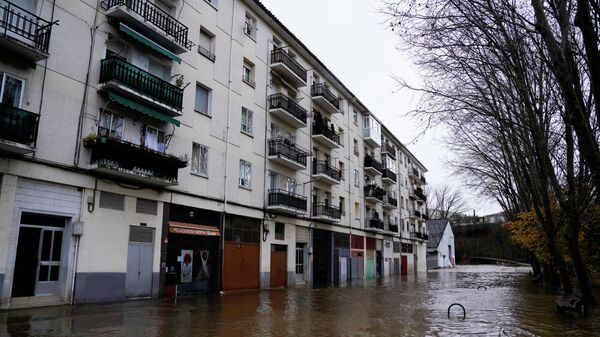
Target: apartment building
(151,148)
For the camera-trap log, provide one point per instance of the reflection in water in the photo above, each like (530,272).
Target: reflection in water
(403,306)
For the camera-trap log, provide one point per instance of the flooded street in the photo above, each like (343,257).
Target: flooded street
(408,306)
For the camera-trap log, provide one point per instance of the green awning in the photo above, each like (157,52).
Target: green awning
(146,41)
(142,108)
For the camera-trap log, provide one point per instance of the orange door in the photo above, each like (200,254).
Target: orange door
(278,266)
(240,266)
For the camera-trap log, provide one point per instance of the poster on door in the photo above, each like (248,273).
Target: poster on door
(187,257)
(204,273)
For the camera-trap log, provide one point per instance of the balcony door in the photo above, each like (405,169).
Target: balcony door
(11,90)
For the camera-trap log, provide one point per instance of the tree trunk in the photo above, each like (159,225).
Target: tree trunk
(561,266)
(583,277)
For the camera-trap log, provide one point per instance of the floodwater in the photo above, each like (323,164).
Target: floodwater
(399,306)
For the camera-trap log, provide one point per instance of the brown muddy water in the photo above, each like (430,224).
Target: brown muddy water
(399,306)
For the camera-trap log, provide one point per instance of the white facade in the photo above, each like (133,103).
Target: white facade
(239,93)
(441,247)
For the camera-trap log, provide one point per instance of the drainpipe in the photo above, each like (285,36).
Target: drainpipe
(222,241)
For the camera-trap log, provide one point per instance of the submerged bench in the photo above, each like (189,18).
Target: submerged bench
(570,303)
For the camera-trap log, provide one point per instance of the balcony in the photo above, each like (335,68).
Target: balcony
(425,216)
(286,202)
(325,98)
(151,21)
(286,153)
(288,68)
(133,163)
(372,136)
(287,110)
(387,149)
(372,166)
(415,176)
(421,198)
(391,226)
(387,176)
(326,212)
(22,33)
(374,193)
(126,79)
(18,130)
(325,173)
(325,136)
(416,235)
(389,202)
(374,223)
(423,180)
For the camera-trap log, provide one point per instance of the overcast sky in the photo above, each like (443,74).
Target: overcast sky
(349,37)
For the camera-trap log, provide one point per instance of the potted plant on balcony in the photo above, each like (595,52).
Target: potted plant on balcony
(89,140)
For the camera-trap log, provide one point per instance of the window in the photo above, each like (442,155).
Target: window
(357,210)
(342,205)
(245,174)
(342,175)
(159,69)
(356,178)
(290,184)
(402,202)
(112,201)
(200,159)
(356,153)
(206,44)
(11,90)
(250,26)
(146,206)
(355,117)
(203,96)
(154,139)
(279,231)
(300,259)
(248,73)
(110,125)
(247,121)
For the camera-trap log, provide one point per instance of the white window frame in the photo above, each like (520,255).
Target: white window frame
(199,155)
(245,180)
(158,133)
(208,100)
(3,76)
(250,25)
(356,178)
(247,121)
(112,115)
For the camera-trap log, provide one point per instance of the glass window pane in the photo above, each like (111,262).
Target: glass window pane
(201,103)
(46,245)
(11,94)
(116,127)
(195,158)
(54,273)
(43,276)
(56,248)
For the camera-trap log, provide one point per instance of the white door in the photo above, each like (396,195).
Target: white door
(140,257)
(343,270)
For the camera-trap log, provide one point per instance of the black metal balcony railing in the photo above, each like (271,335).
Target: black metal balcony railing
(417,214)
(392,227)
(118,70)
(281,56)
(416,235)
(423,180)
(375,223)
(388,149)
(374,191)
(322,129)
(391,201)
(204,51)
(324,209)
(319,89)
(281,101)
(372,162)
(25,25)
(324,167)
(18,125)
(415,172)
(419,193)
(425,216)
(153,14)
(387,173)
(284,148)
(284,198)
(425,237)
(123,156)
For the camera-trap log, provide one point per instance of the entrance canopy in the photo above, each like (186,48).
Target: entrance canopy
(192,229)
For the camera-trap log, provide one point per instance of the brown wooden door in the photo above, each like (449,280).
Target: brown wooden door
(240,266)
(404,265)
(278,266)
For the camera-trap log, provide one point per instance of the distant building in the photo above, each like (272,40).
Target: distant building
(440,246)
(495,218)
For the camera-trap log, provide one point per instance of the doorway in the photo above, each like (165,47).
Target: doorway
(39,268)
(278,275)
(140,256)
(404,265)
(321,258)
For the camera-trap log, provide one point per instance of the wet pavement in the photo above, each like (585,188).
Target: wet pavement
(398,306)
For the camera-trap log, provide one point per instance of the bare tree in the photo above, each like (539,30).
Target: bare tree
(444,202)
